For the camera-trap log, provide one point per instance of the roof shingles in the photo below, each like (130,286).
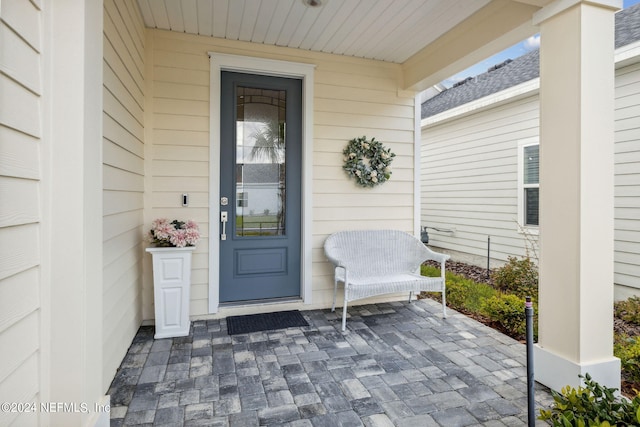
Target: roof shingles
(520,70)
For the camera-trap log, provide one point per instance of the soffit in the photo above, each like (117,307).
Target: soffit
(387,30)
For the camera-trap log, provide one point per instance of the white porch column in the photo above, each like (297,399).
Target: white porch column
(72,237)
(576,199)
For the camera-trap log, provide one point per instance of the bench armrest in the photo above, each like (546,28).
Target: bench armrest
(336,262)
(435,256)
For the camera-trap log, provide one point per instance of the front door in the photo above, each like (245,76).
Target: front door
(260,187)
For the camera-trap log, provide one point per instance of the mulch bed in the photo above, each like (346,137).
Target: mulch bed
(473,272)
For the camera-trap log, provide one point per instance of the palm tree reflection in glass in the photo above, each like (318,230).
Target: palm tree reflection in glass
(269,147)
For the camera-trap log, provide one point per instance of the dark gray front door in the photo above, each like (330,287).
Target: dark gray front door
(260,187)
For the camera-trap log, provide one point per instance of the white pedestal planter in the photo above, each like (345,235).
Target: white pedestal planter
(171,290)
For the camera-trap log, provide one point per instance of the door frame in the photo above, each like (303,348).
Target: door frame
(250,65)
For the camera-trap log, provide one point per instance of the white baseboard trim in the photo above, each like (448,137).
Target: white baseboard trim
(556,372)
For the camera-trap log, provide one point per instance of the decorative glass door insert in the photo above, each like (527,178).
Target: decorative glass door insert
(260,162)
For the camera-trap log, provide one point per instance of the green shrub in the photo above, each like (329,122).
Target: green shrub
(628,310)
(457,291)
(474,295)
(457,287)
(517,276)
(462,294)
(508,311)
(591,405)
(429,270)
(628,350)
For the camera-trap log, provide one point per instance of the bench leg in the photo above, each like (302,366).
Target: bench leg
(410,295)
(344,309)
(444,288)
(335,290)
(444,304)
(344,316)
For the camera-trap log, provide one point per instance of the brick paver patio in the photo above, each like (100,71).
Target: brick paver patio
(398,364)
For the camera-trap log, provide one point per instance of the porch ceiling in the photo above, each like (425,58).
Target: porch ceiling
(447,35)
(376,29)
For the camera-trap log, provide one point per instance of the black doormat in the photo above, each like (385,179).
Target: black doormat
(264,322)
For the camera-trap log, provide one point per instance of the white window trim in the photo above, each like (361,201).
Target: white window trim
(522,228)
(245,64)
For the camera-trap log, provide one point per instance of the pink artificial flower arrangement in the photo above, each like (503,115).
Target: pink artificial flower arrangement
(175,233)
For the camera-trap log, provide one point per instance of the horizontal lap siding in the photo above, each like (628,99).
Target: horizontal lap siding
(455,193)
(627,177)
(20,202)
(352,98)
(469,179)
(123,179)
(180,154)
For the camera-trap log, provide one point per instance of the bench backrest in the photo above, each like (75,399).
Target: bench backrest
(375,252)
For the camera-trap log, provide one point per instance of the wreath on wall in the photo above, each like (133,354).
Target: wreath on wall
(367,161)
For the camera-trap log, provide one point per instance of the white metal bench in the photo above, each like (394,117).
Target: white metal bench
(376,262)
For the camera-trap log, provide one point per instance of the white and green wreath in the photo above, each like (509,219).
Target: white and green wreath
(367,161)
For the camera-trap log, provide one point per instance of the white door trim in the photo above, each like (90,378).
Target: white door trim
(245,64)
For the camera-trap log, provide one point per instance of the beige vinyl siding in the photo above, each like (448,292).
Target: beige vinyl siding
(20,202)
(469,179)
(627,177)
(123,179)
(352,98)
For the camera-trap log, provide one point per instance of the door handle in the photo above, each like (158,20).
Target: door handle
(224,217)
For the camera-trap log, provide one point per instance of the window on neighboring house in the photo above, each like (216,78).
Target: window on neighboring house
(529,182)
(243,199)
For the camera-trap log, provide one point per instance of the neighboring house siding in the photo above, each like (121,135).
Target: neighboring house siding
(505,122)
(353,97)
(20,205)
(627,177)
(123,175)
(469,179)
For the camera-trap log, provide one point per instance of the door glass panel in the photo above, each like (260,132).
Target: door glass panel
(260,162)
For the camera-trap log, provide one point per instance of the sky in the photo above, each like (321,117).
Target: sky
(513,52)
